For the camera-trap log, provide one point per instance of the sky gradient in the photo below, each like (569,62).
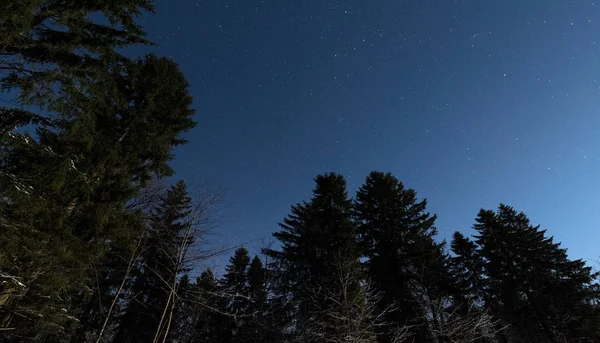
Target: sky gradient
(471,103)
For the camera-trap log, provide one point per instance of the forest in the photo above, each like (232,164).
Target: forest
(95,246)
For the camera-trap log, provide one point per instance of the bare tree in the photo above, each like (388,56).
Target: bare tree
(190,252)
(465,323)
(348,310)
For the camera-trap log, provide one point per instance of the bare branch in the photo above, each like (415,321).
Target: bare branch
(130,264)
(346,310)
(465,323)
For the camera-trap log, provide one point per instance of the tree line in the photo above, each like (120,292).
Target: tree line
(95,248)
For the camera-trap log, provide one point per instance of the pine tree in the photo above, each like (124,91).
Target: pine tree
(244,291)
(65,190)
(256,326)
(183,314)
(467,271)
(463,315)
(234,288)
(531,282)
(317,238)
(209,311)
(104,126)
(96,313)
(257,284)
(45,42)
(402,258)
(114,273)
(235,282)
(152,292)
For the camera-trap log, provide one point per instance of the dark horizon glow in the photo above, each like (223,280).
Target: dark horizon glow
(470,103)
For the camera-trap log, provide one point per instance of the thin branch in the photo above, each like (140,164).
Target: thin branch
(116,297)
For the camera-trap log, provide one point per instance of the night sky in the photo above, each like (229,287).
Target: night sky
(471,103)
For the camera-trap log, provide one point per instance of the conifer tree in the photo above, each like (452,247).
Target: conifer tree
(257,325)
(531,282)
(317,237)
(209,318)
(114,272)
(467,271)
(152,291)
(463,314)
(244,292)
(257,283)
(235,281)
(50,42)
(104,125)
(402,258)
(183,314)
(65,190)
(234,291)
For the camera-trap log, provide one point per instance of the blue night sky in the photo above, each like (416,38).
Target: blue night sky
(469,102)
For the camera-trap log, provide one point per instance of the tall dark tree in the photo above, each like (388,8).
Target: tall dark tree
(257,284)
(402,258)
(234,290)
(316,237)
(256,326)
(247,311)
(184,316)
(531,282)
(64,192)
(467,270)
(209,319)
(235,281)
(114,272)
(151,298)
(463,315)
(104,125)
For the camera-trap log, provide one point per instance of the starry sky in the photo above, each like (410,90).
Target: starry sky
(469,102)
